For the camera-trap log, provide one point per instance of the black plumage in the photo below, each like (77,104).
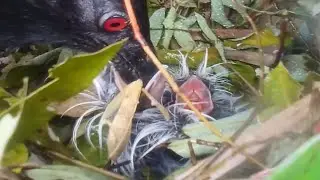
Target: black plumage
(76,24)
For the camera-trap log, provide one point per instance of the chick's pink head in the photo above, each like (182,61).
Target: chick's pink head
(198,93)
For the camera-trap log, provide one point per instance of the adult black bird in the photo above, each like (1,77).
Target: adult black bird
(86,25)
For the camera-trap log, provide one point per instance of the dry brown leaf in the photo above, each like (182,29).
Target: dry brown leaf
(120,129)
(233,33)
(261,175)
(297,118)
(250,57)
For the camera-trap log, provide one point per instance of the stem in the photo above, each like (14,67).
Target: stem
(84,165)
(139,37)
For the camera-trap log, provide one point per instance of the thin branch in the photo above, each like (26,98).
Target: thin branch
(84,165)
(280,13)
(192,153)
(139,37)
(283,33)
(221,33)
(255,30)
(24,166)
(224,147)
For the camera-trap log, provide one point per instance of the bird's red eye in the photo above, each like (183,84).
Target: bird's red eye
(115,24)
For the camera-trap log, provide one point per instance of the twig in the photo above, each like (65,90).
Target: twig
(280,13)
(213,158)
(283,33)
(297,32)
(221,33)
(250,57)
(297,118)
(192,153)
(24,166)
(84,165)
(225,146)
(245,125)
(255,30)
(215,145)
(257,93)
(139,37)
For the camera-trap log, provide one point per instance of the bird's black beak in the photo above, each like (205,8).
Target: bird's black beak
(132,62)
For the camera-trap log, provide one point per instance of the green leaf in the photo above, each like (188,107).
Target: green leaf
(4,93)
(227,126)
(63,172)
(5,99)
(156,25)
(69,78)
(239,8)
(169,25)
(299,65)
(230,4)
(280,89)
(194,58)
(218,15)
(246,71)
(302,164)
(184,38)
(28,67)
(15,156)
(95,156)
(9,123)
(209,33)
(267,38)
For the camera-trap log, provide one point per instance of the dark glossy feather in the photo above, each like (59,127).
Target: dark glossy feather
(75,23)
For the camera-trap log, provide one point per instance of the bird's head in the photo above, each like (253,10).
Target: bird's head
(87,25)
